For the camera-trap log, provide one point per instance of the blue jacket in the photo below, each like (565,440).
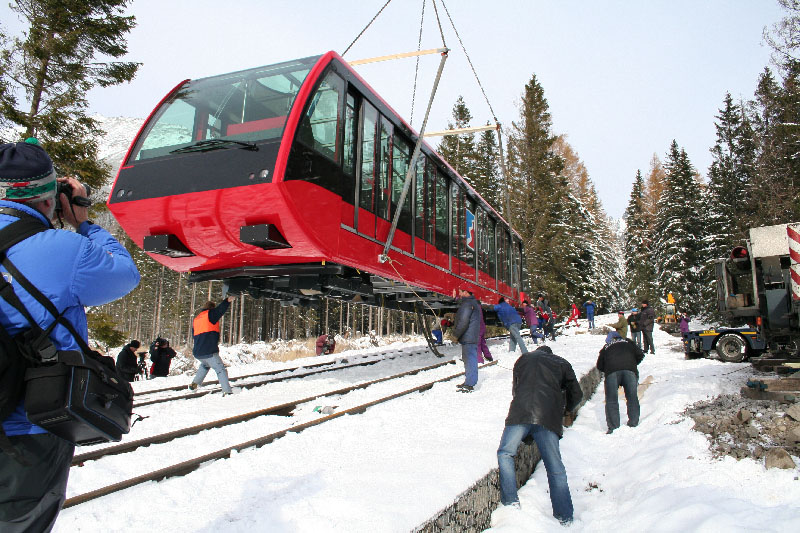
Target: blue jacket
(206,344)
(468,321)
(73,270)
(508,315)
(589,309)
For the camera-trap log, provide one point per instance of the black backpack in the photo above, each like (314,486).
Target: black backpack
(76,395)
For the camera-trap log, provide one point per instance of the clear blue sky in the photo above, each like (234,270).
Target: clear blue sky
(623,78)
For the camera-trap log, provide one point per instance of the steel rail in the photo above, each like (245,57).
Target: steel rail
(284,409)
(190,465)
(254,384)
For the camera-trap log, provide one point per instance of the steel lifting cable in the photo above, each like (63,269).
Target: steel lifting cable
(366,27)
(497,122)
(416,68)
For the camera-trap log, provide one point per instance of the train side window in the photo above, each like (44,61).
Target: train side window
(441,213)
(454,227)
(349,155)
(401,157)
(492,247)
(350,129)
(319,128)
(419,199)
(367,184)
(383,191)
(482,247)
(430,202)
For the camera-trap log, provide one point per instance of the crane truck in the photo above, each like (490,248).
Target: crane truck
(758,293)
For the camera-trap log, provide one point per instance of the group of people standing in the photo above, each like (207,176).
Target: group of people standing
(133,368)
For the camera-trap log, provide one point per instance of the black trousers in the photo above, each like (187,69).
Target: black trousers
(647,341)
(31,495)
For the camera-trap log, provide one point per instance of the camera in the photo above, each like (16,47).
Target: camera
(66,189)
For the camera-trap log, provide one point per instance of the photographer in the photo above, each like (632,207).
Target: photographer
(161,355)
(87,267)
(126,360)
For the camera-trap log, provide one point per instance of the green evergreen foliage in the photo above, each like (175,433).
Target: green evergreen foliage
(459,150)
(49,70)
(103,328)
(679,232)
(488,179)
(639,269)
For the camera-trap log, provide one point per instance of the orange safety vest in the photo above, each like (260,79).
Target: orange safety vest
(202,324)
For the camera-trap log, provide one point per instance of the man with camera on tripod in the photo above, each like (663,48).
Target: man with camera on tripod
(73,270)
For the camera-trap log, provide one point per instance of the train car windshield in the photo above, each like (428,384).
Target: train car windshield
(232,110)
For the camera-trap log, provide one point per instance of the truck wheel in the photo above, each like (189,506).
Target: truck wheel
(731,348)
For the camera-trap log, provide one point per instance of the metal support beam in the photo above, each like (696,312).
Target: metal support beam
(412,165)
(457,131)
(399,56)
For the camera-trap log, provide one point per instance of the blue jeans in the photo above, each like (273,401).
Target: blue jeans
(215,362)
(637,338)
(547,442)
(437,333)
(628,380)
(469,353)
(515,338)
(590,318)
(536,335)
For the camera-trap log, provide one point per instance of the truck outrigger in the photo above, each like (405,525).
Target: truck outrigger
(758,292)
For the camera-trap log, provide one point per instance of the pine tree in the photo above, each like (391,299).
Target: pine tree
(729,179)
(55,65)
(487,178)
(776,115)
(679,232)
(541,207)
(640,273)
(459,150)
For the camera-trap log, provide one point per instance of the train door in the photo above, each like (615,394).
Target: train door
(349,159)
(383,189)
(484,278)
(401,157)
(469,237)
(455,229)
(420,217)
(491,235)
(438,248)
(368,170)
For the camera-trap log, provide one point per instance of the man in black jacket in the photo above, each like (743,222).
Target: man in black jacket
(541,380)
(647,318)
(126,360)
(467,331)
(619,360)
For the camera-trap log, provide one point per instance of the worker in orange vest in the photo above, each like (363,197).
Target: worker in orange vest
(205,330)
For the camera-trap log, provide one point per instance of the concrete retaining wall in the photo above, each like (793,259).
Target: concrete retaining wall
(473,508)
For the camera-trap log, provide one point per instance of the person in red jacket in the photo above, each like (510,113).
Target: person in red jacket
(326,344)
(574,314)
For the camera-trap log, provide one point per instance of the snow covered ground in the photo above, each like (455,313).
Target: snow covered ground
(400,462)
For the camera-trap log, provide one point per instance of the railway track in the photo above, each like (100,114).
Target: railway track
(284,409)
(295,373)
(185,467)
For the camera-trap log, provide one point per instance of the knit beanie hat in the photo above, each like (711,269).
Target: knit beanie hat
(26,172)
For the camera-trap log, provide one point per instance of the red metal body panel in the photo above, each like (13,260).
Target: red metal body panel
(308,216)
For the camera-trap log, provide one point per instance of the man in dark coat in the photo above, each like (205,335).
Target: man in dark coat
(467,330)
(205,330)
(161,355)
(541,384)
(633,322)
(647,318)
(619,360)
(126,360)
